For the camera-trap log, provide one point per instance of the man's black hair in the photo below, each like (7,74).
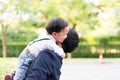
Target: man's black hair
(71,42)
(56,25)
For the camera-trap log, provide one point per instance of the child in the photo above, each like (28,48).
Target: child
(57,30)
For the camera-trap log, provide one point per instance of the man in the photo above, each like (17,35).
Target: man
(47,65)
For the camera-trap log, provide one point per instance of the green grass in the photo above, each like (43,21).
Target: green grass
(7,65)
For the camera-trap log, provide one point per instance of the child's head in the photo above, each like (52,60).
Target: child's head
(58,28)
(71,42)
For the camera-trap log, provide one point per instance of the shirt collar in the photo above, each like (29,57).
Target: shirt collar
(52,38)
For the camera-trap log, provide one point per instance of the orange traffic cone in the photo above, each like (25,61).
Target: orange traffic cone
(101,61)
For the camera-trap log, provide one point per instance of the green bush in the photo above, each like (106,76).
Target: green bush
(13,49)
(114,38)
(83,50)
(0,50)
(103,41)
(0,41)
(20,35)
(82,39)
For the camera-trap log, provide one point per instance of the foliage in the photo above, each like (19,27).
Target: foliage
(0,41)
(103,41)
(21,35)
(85,17)
(88,50)
(89,39)
(82,15)
(14,49)
(84,50)
(114,38)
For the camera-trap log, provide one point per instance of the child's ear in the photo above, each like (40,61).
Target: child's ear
(54,34)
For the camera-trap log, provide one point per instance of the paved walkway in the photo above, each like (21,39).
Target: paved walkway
(90,70)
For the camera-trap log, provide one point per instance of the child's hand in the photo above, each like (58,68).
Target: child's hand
(63,56)
(27,51)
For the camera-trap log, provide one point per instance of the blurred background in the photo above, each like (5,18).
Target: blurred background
(96,21)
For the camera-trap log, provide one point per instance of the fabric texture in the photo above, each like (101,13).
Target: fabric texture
(47,66)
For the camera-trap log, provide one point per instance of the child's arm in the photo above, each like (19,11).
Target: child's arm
(60,45)
(27,51)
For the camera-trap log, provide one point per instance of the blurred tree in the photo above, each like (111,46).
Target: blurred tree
(13,13)
(5,20)
(108,16)
(25,16)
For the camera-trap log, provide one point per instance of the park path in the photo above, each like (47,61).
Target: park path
(90,70)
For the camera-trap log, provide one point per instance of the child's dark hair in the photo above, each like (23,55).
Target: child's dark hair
(56,25)
(71,42)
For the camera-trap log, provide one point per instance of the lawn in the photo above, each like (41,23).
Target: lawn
(7,65)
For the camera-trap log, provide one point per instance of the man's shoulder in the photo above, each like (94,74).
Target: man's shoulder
(50,57)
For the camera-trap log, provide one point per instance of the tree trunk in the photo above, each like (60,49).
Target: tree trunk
(74,26)
(4,40)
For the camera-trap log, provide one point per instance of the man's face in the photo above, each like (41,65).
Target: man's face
(60,37)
